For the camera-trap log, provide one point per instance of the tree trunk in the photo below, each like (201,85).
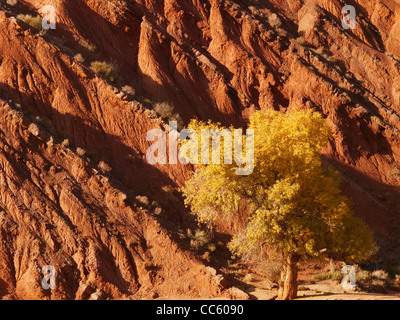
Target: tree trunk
(288,282)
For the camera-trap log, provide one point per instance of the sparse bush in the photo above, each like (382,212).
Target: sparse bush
(281,32)
(378,278)
(85,44)
(378,282)
(80,152)
(274,21)
(16,115)
(34,22)
(253,10)
(380,275)
(363,276)
(167,189)
(395,173)
(248,278)
(167,111)
(34,129)
(143,200)
(200,239)
(128,90)
(335,275)
(105,69)
(164,109)
(105,167)
(272,269)
(157,209)
(65,143)
(79,58)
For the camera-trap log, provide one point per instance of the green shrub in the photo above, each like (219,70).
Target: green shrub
(335,275)
(148,102)
(200,240)
(363,276)
(105,69)
(33,22)
(92,156)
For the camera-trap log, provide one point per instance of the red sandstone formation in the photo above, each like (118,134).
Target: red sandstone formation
(213,59)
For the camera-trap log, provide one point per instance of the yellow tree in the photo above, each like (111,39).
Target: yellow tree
(294,205)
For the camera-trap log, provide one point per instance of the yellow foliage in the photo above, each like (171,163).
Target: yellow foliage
(294,204)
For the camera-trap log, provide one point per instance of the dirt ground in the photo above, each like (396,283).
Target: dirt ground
(308,290)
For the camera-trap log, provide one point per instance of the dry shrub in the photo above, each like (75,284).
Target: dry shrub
(282,32)
(167,111)
(34,129)
(168,189)
(164,109)
(272,269)
(335,275)
(380,275)
(200,239)
(143,200)
(65,143)
(79,58)
(80,152)
(363,276)
(104,167)
(34,22)
(85,44)
(274,21)
(105,69)
(129,90)
(248,278)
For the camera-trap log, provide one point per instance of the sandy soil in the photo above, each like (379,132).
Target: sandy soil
(325,290)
